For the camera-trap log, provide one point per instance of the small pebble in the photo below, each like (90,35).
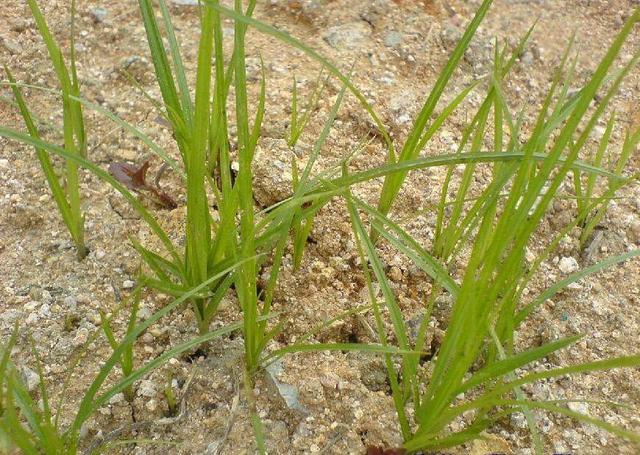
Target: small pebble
(70,302)
(82,335)
(568,265)
(98,14)
(128,284)
(395,274)
(30,378)
(527,58)
(582,408)
(117,398)
(147,389)
(393,39)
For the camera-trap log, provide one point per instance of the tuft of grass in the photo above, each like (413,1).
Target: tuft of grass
(67,194)
(488,308)
(126,359)
(299,121)
(35,429)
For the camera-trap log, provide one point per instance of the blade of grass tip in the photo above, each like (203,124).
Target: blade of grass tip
(392,184)
(160,60)
(176,58)
(298,127)
(597,161)
(567,132)
(630,142)
(464,186)
(269,30)
(198,235)
(440,238)
(445,114)
(557,287)
(260,109)
(230,74)
(517,217)
(76,108)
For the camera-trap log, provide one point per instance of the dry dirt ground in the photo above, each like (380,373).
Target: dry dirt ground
(397,47)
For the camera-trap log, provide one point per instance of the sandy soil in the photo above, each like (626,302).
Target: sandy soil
(343,401)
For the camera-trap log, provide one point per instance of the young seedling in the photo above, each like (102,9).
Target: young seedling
(172,405)
(299,122)
(67,194)
(34,429)
(126,359)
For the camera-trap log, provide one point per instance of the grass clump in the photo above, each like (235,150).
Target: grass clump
(67,194)
(478,355)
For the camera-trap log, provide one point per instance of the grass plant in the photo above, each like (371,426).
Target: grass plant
(299,121)
(32,429)
(67,194)
(488,309)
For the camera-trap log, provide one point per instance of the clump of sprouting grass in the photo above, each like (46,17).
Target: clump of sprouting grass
(488,308)
(35,428)
(66,194)
(126,359)
(299,121)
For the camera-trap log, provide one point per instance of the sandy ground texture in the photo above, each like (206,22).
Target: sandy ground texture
(343,402)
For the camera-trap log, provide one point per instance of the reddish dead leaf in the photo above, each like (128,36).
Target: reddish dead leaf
(127,174)
(134,178)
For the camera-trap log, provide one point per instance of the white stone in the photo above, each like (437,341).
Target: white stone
(568,265)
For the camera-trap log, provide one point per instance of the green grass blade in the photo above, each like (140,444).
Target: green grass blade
(410,150)
(557,287)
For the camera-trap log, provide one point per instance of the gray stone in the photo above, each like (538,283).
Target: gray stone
(99,14)
(450,35)
(288,392)
(147,389)
(568,265)
(347,36)
(11,45)
(527,58)
(393,39)
(185,2)
(30,378)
